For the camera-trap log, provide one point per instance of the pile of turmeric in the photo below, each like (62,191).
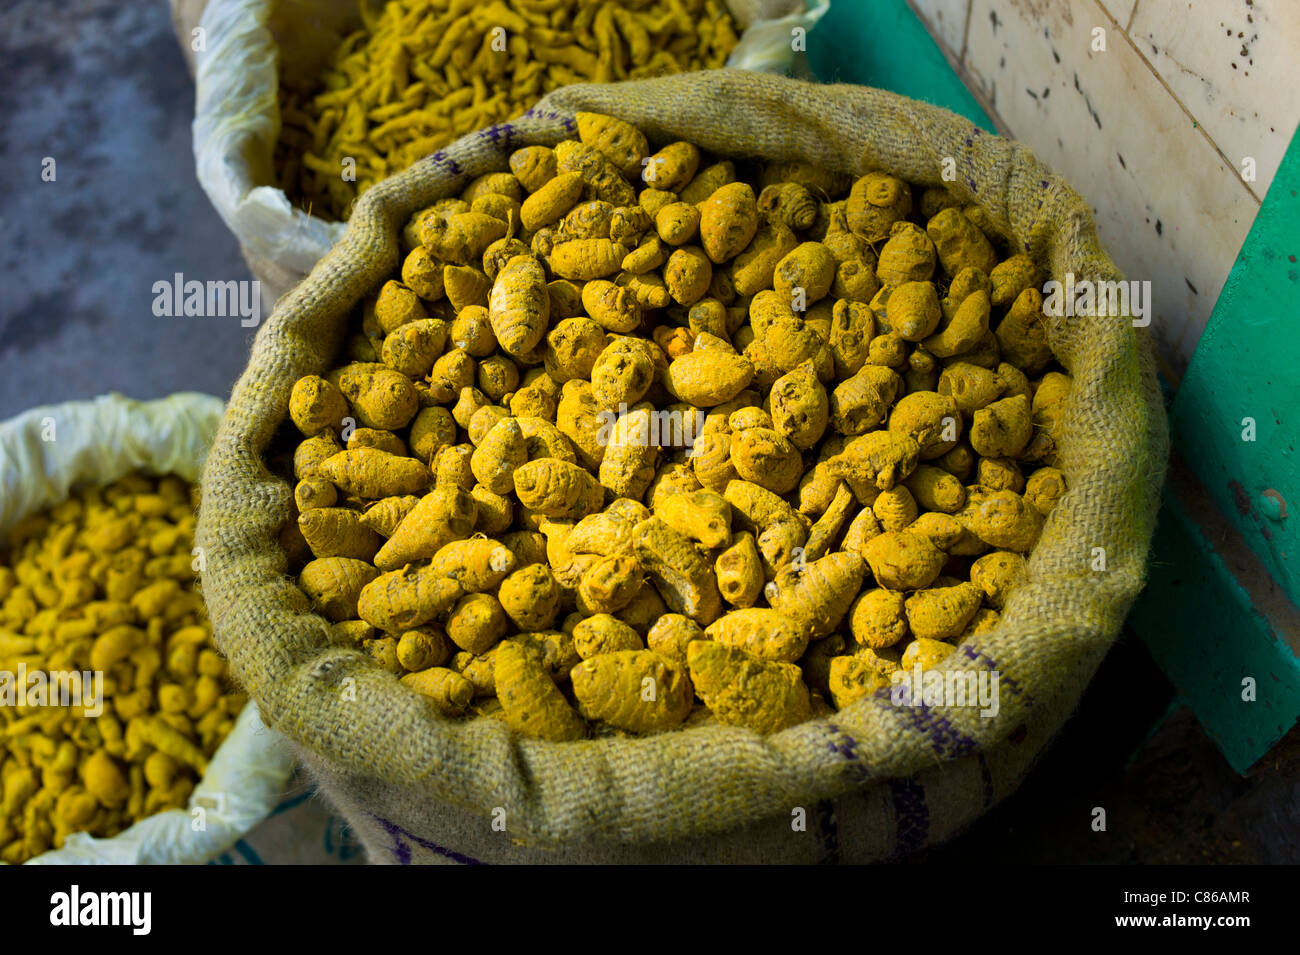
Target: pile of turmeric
(112,698)
(642,437)
(421,73)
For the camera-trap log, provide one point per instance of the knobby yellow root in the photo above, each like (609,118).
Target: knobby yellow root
(99,600)
(640,434)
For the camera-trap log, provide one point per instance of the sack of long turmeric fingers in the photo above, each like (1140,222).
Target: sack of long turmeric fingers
(438,579)
(121,739)
(302,104)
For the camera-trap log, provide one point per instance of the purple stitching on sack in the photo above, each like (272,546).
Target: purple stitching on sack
(442,159)
(842,744)
(402,852)
(502,136)
(932,725)
(1003,680)
(547,114)
(938,731)
(912,813)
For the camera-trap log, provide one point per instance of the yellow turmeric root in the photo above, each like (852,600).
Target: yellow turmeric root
(533,704)
(636,430)
(101,590)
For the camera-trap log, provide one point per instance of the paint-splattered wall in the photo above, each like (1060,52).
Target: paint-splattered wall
(1173,131)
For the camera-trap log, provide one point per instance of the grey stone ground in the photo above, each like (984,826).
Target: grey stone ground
(100,86)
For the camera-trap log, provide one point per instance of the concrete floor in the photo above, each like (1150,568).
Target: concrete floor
(101,87)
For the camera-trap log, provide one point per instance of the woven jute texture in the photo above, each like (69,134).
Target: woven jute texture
(873,780)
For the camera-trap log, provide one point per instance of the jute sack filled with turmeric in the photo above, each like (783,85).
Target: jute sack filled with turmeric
(872,780)
(409,87)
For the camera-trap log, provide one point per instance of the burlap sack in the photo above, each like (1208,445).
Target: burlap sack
(245,44)
(873,780)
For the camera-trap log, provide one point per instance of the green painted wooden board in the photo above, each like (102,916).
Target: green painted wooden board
(1247,369)
(1209,638)
(1212,622)
(882,43)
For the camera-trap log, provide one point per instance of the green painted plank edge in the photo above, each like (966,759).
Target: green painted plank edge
(882,43)
(1245,367)
(1205,633)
